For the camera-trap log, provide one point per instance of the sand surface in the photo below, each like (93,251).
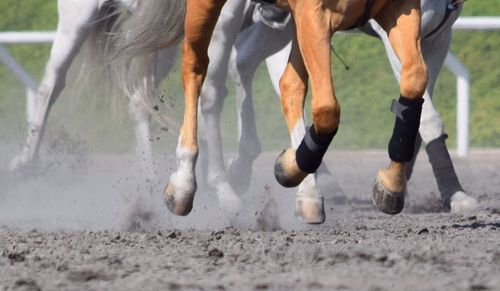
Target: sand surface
(89,222)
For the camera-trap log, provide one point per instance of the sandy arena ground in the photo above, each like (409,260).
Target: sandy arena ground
(83,223)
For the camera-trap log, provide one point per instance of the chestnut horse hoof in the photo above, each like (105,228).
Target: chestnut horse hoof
(178,204)
(286,170)
(310,210)
(387,201)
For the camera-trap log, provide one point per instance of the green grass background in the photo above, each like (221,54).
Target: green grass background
(364,91)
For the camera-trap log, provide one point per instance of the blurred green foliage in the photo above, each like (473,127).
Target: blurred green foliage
(364,91)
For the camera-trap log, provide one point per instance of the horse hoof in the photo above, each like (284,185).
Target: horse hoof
(229,202)
(178,204)
(240,173)
(310,210)
(286,170)
(462,203)
(387,201)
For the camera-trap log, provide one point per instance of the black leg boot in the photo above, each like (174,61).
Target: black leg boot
(443,169)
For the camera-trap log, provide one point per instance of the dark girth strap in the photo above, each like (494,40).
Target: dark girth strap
(267,2)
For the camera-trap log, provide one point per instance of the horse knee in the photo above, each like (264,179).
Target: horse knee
(326,118)
(311,150)
(414,78)
(211,98)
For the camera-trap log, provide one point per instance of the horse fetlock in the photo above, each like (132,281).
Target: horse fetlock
(216,177)
(286,170)
(444,172)
(393,177)
(312,149)
(310,209)
(326,118)
(402,144)
(250,149)
(240,173)
(389,192)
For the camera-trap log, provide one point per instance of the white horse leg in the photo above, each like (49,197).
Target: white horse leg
(140,113)
(144,152)
(432,131)
(247,55)
(75,23)
(276,65)
(431,125)
(212,98)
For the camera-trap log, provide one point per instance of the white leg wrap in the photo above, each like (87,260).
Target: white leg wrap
(431,124)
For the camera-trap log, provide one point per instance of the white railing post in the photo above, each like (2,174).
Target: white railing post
(28,82)
(463,97)
(24,37)
(477,23)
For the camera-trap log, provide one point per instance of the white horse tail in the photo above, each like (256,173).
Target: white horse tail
(157,24)
(102,40)
(100,43)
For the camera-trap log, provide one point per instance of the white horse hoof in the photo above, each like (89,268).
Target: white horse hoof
(310,210)
(229,202)
(462,203)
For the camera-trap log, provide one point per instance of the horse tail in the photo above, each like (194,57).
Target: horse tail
(155,25)
(107,25)
(101,41)
(99,47)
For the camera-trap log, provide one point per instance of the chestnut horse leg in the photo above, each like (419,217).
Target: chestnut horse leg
(401,20)
(294,165)
(201,17)
(293,86)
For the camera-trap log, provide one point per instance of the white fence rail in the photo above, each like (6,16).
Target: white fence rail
(452,63)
